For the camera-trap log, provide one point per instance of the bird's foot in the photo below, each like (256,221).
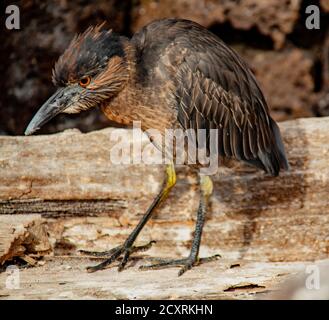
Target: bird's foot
(113,255)
(186,263)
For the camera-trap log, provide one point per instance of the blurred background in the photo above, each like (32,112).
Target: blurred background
(291,62)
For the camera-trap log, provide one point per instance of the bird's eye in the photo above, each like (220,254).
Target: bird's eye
(84,82)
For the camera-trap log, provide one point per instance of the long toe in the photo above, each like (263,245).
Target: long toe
(101,254)
(163,263)
(114,254)
(106,263)
(185,263)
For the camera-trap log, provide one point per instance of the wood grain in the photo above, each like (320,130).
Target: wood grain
(252,216)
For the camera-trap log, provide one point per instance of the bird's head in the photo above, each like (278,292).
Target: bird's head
(92,70)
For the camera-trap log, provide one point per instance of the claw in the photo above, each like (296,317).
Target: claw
(124,260)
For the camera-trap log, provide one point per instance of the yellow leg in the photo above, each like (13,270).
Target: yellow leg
(206,188)
(127,248)
(170,181)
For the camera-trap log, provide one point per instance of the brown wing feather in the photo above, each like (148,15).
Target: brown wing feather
(221,88)
(215,89)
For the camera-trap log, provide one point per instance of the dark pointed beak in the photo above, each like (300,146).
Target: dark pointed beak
(56,104)
(52,107)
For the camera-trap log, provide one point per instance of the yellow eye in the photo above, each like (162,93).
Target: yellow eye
(85,81)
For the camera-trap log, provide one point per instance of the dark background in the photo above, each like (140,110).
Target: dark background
(290,62)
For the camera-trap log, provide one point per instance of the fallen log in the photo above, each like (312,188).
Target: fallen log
(65,279)
(22,235)
(252,215)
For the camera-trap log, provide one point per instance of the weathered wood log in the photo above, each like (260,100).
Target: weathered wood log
(252,215)
(65,278)
(20,235)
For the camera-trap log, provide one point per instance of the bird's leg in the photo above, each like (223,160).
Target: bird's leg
(193,259)
(127,248)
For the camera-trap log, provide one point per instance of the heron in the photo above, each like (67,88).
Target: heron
(173,73)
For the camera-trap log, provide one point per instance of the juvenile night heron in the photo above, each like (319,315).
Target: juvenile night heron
(171,74)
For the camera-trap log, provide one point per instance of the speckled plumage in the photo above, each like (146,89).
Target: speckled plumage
(185,75)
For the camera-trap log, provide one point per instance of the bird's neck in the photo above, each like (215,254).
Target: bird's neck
(119,107)
(138,101)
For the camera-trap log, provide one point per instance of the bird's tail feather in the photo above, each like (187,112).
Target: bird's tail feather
(275,160)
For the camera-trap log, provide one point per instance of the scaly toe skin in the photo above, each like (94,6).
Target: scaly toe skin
(101,254)
(186,263)
(124,260)
(191,263)
(209,259)
(187,266)
(114,254)
(163,263)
